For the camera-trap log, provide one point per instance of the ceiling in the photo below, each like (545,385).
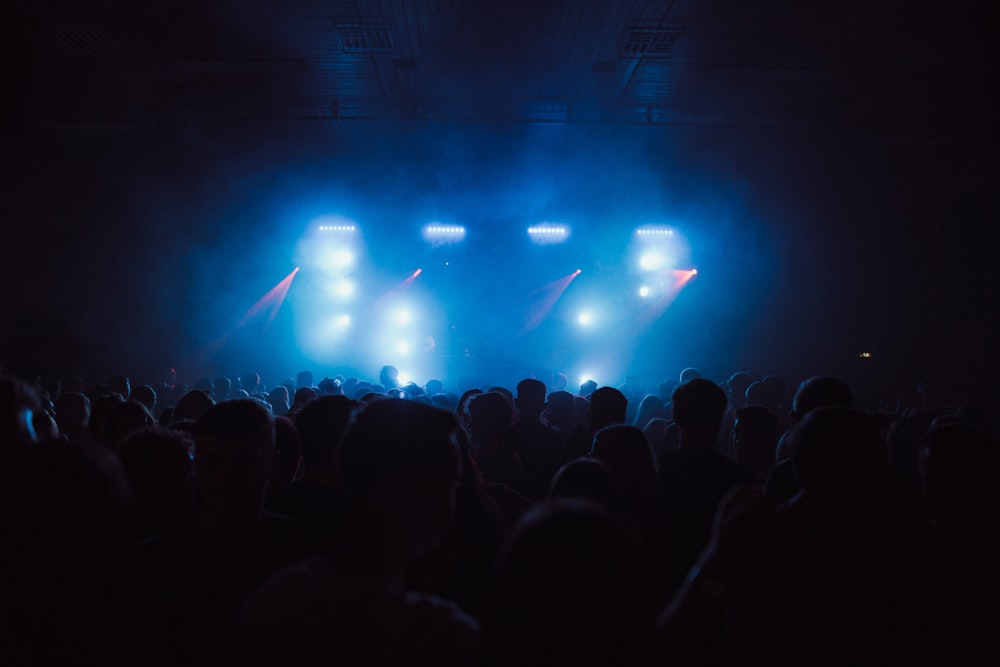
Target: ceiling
(875,71)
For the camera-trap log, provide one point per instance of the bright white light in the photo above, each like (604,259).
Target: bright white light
(584,318)
(403,347)
(337,228)
(345,289)
(438,233)
(548,232)
(654,230)
(344,321)
(341,259)
(586,377)
(403,316)
(651,261)
(403,379)
(644,291)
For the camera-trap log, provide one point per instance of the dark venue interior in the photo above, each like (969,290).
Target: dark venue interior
(436,308)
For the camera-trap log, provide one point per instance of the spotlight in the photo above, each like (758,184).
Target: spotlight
(585,377)
(584,318)
(345,289)
(344,321)
(337,228)
(651,261)
(439,234)
(403,347)
(547,233)
(403,316)
(644,291)
(654,230)
(341,259)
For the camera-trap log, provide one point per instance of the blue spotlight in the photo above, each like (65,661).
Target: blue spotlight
(337,228)
(654,230)
(585,318)
(651,261)
(343,321)
(403,347)
(439,234)
(403,316)
(548,233)
(344,289)
(645,291)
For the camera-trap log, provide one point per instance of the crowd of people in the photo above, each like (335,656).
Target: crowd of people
(360,522)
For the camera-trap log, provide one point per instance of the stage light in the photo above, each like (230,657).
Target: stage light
(654,230)
(345,289)
(340,259)
(651,261)
(645,291)
(344,321)
(584,378)
(439,234)
(337,228)
(403,347)
(584,318)
(547,233)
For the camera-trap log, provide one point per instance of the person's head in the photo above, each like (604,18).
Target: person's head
(278,398)
(817,392)
(560,411)
(626,453)
(191,406)
(221,387)
(18,404)
(737,384)
(650,407)
(321,427)
(303,379)
(959,476)
(125,419)
(121,385)
(489,416)
(607,406)
(570,588)
(303,397)
(73,416)
(586,478)
(251,381)
(286,446)
(159,468)
(400,465)
(698,408)
(755,436)
(234,459)
(530,398)
(145,395)
(839,453)
(587,387)
(389,377)
(434,387)
(689,374)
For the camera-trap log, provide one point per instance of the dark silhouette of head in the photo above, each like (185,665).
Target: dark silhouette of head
(530,398)
(145,395)
(839,453)
(570,588)
(304,379)
(121,385)
(192,405)
(698,408)
(234,459)
(489,416)
(18,403)
(400,467)
(389,377)
(221,388)
(586,478)
(607,406)
(818,392)
(755,436)
(689,374)
(321,428)
(560,411)
(587,387)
